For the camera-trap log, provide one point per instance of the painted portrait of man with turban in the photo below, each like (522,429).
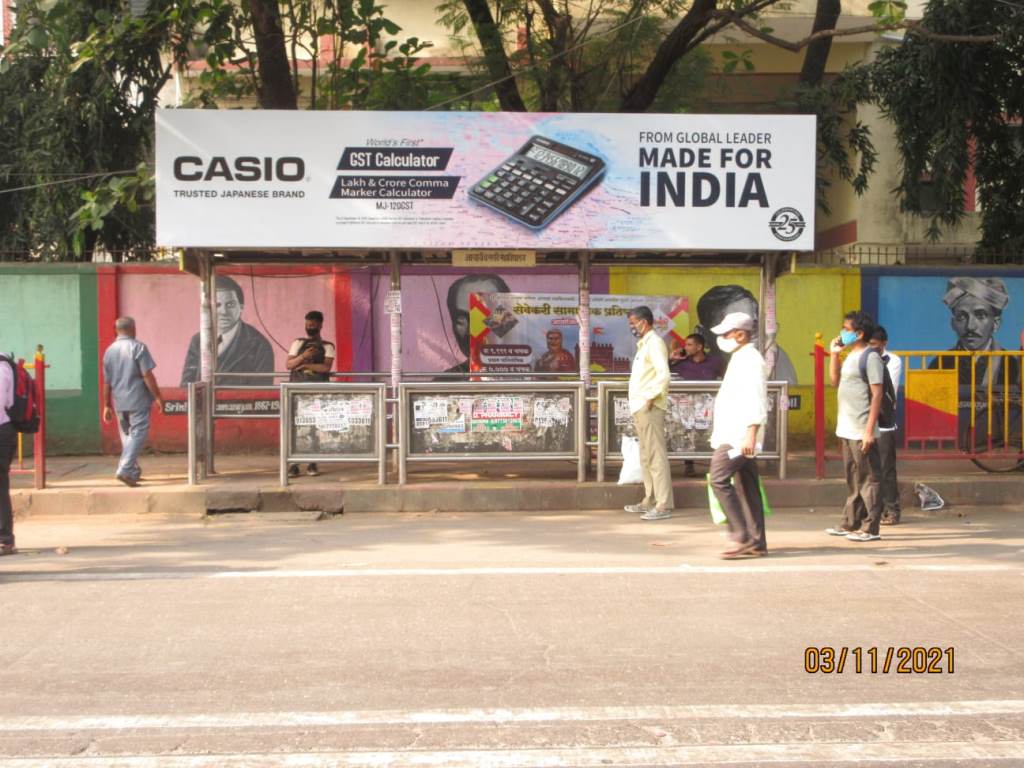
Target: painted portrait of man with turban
(976,307)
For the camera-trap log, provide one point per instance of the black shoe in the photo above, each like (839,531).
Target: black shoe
(312,470)
(127,481)
(293,470)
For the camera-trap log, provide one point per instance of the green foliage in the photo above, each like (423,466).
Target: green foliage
(80,81)
(944,98)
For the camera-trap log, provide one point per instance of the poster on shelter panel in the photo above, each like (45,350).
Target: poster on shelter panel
(287,179)
(539,333)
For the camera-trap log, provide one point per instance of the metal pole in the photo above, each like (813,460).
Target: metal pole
(403,434)
(582,430)
(602,433)
(394,306)
(208,343)
(783,430)
(39,442)
(584,318)
(768,323)
(284,436)
(382,435)
(819,407)
(192,429)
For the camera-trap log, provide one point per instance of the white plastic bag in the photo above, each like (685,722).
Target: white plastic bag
(930,499)
(631,472)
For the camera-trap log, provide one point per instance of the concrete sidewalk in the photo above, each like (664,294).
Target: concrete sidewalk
(86,485)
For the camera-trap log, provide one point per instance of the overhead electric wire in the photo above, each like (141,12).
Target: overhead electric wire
(66,181)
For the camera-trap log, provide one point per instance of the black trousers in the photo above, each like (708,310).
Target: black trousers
(890,484)
(863,510)
(746,514)
(8,444)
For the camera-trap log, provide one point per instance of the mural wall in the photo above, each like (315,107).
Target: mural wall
(71,308)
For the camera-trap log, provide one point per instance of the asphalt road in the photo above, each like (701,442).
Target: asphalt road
(508,640)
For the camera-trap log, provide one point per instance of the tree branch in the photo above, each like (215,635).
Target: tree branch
(912,26)
(495,58)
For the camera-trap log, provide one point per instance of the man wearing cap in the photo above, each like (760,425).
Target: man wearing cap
(648,403)
(976,305)
(741,411)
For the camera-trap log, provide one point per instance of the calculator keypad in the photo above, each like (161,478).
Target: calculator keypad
(527,191)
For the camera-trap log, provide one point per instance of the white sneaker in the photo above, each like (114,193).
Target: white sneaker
(863,536)
(656,514)
(636,509)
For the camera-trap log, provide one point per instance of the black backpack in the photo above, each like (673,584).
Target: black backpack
(887,413)
(24,413)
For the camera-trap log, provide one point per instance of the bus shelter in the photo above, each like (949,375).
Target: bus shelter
(397,189)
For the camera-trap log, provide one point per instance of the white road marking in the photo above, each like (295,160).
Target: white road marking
(722,754)
(403,717)
(654,570)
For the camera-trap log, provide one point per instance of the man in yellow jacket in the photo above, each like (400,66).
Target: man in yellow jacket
(648,403)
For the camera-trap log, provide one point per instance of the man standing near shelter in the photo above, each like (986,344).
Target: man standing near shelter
(8,442)
(648,403)
(692,363)
(857,427)
(741,411)
(310,359)
(887,435)
(130,388)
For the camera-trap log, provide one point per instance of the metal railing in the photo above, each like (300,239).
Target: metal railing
(688,423)
(956,405)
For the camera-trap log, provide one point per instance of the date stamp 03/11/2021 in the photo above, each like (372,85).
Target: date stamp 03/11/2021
(900,660)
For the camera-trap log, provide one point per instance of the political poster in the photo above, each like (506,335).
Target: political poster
(539,333)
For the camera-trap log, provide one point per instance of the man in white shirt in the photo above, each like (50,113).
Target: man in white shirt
(741,411)
(887,435)
(648,403)
(8,443)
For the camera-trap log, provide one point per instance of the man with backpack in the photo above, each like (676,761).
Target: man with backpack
(861,382)
(887,433)
(8,442)
(130,387)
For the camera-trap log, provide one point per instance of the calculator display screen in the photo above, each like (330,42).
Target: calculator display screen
(558,161)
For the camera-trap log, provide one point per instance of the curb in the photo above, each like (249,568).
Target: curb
(330,499)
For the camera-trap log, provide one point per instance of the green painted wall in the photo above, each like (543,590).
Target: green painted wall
(55,305)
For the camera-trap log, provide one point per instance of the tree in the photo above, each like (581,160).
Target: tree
(80,81)
(958,105)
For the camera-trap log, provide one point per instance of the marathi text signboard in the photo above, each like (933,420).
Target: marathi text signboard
(293,179)
(539,333)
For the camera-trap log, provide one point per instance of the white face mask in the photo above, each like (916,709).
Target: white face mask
(728,345)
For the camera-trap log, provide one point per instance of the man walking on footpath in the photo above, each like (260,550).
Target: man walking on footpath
(741,411)
(857,427)
(887,435)
(8,442)
(130,388)
(648,403)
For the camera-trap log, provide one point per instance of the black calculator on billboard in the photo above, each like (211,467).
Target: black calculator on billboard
(539,181)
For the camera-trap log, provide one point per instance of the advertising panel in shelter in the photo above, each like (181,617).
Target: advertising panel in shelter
(290,179)
(539,333)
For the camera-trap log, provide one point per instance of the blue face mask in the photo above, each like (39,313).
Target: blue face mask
(847,337)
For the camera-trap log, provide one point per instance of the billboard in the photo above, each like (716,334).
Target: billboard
(288,179)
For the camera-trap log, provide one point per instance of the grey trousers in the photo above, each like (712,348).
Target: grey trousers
(740,502)
(134,428)
(890,484)
(863,510)
(650,431)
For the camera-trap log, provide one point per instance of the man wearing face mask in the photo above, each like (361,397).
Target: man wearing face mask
(648,403)
(741,411)
(860,402)
(310,359)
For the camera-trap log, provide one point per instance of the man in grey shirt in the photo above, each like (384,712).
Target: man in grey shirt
(857,426)
(130,388)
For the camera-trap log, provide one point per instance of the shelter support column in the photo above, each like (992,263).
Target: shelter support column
(208,343)
(584,322)
(394,309)
(584,317)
